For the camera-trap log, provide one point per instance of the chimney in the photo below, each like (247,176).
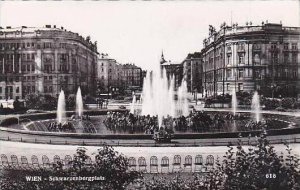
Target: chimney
(8,27)
(62,28)
(54,26)
(48,26)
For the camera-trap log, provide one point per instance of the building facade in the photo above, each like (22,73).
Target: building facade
(172,70)
(249,58)
(132,76)
(109,74)
(44,61)
(192,72)
(115,78)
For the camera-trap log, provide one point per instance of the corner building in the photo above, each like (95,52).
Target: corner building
(252,58)
(44,61)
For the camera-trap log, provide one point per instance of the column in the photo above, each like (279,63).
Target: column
(3,64)
(13,62)
(70,62)
(55,60)
(20,70)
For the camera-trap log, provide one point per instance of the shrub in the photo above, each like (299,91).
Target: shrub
(9,121)
(259,167)
(288,103)
(109,164)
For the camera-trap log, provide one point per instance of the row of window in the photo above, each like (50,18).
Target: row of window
(45,45)
(286,46)
(9,90)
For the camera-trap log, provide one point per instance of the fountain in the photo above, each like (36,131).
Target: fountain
(158,96)
(132,105)
(79,103)
(61,108)
(255,106)
(233,102)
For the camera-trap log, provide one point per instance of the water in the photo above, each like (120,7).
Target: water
(133,103)
(61,108)
(158,95)
(233,102)
(255,106)
(79,103)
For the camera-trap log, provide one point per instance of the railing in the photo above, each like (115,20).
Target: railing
(33,163)
(191,143)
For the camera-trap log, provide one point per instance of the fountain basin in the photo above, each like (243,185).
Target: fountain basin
(102,133)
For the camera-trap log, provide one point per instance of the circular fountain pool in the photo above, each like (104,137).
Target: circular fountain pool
(217,122)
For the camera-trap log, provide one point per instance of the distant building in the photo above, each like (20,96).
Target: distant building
(114,77)
(192,72)
(172,70)
(252,58)
(132,76)
(109,74)
(44,61)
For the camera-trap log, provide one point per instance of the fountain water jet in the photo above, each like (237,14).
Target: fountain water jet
(255,106)
(61,108)
(233,102)
(133,103)
(158,95)
(79,103)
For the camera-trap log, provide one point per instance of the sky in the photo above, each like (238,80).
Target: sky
(138,32)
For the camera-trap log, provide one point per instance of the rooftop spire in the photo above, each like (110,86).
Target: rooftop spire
(162,60)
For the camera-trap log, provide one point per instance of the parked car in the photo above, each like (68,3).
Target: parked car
(122,107)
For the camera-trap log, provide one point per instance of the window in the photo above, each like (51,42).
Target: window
(28,56)
(240,87)
(294,46)
(273,46)
(228,59)
(286,58)
(32,56)
(28,44)
(256,46)
(241,73)
(33,88)
(50,89)
(241,47)
(286,46)
(47,45)
(45,77)
(63,45)
(227,86)
(241,59)
(0,89)
(50,77)
(294,58)
(17,90)
(256,59)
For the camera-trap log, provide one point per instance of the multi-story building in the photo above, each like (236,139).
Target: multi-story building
(109,74)
(265,58)
(114,77)
(132,76)
(44,61)
(172,70)
(192,72)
